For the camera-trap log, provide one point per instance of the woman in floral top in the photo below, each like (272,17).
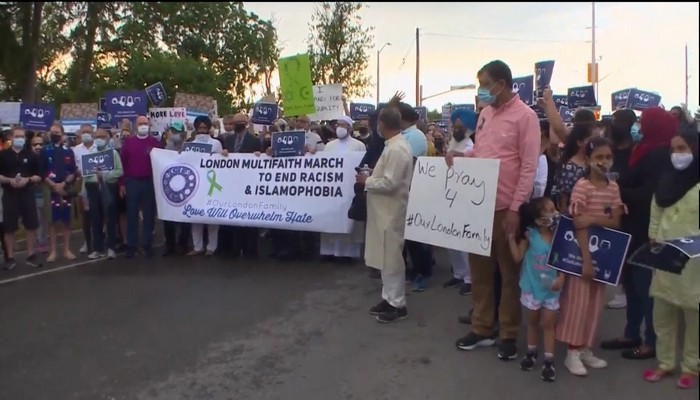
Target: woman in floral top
(573,164)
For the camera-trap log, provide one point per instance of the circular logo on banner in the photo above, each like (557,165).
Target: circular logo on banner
(179,184)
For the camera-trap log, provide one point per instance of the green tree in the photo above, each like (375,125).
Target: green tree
(20,36)
(339,45)
(434,115)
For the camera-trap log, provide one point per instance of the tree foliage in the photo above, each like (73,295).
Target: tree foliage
(338,47)
(77,50)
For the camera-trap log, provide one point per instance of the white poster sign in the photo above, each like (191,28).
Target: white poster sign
(453,207)
(329,102)
(310,193)
(162,117)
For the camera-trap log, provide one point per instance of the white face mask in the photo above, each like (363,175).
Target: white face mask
(143,130)
(342,133)
(681,161)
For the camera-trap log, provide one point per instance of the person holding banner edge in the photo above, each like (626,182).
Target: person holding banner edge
(177,234)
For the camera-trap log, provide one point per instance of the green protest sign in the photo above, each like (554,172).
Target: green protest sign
(296,85)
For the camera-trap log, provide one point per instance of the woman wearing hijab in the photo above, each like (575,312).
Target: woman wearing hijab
(648,161)
(674,214)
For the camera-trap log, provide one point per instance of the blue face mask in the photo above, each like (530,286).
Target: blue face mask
(485,96)
(100,143)
(636,133)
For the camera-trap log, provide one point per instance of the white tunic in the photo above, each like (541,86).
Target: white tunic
(342,244)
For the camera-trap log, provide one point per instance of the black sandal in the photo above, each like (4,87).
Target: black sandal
(620,344)
(638,354)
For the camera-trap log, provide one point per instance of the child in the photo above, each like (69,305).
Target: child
(595,201)
(539,283)
(674,214)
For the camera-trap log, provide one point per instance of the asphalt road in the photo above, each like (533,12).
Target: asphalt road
(183,328)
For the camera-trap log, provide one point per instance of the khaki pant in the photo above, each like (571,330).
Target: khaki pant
(483,271)
(667,322)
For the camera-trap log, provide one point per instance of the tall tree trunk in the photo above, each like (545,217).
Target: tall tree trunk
(91,24)
(31,52)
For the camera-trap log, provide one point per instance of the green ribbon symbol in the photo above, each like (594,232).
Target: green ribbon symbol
(213,184)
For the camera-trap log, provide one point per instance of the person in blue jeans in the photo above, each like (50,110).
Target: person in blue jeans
(137,187)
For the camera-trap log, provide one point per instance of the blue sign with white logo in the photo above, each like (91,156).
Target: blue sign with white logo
(566,114)
(524,87)
(470,107)
(288,144)
(619,99)
(422,113)
(179,183)
(582,96)
(104,120)
(197,147)
(37,117)
(264,113)
(543,75)
(560,100)
(670,256)
(640,100)
(608,249)
(102,161)
(156,93)
(126,104)
(103,104)
(361,110)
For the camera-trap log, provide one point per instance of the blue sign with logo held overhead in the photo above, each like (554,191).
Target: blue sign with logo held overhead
(582,96)
(608,249)
(156,93)
(361,110)
(524,87)
(566,114)
(288,144)
(640,100)
(102,161)
(126,104)
(543,76)
(264,113)
(422,113)
(619,99)
(37,117)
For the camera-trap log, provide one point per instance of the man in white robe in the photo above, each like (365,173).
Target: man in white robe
(344,247)
(387,199)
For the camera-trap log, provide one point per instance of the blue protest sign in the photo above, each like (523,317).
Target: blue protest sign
(103,104)
(540,113)
(104,120)
(422,113)
(582,96)
(566,114)
(690,246)
(619,99)
(288,144)
(36,117)
(524,87)
(102,161)
(156,93)
(640,100)
(361,110)
(662,256)
(264,113)
(126,104)
(543,75)
(463,106)
(197,147)
(560,100)
(608,249)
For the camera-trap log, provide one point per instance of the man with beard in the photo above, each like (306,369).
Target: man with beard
(364,136)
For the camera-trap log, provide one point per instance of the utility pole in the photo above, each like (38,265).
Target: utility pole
(418,67)
(594,69)
(378,53)
(687,78)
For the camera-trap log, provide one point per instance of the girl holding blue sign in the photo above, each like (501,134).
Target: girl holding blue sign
(539,284)
(595,201)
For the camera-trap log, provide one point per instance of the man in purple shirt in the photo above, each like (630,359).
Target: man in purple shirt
(137,186)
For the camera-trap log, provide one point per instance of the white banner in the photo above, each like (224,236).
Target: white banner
(311,193)
(161,118)
(453,207)
(329,102)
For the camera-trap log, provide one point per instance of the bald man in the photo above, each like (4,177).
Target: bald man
(137,187)
(236,240)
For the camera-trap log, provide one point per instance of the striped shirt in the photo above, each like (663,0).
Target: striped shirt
(588,199)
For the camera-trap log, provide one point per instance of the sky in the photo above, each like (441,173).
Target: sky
(637,44)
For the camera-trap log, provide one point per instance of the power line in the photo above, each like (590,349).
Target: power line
(503,39)
(410,48)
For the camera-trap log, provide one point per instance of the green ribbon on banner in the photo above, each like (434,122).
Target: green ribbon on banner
(213,184)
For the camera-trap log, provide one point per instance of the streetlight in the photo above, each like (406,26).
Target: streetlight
(379,52)
(453,88)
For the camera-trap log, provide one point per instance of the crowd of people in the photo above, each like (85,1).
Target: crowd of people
(636,174)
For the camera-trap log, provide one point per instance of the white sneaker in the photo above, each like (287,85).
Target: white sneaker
(574,364)
(590,360)
(84,249)
(618,302)
(95,255)
(111,254)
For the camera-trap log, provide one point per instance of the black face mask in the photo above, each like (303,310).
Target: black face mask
(460,134)
(439,143)
(238,128)
(56,139)
(364,131)
(267,143)
(619,134)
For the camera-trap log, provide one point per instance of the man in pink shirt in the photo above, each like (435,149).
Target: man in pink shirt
(509,131)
